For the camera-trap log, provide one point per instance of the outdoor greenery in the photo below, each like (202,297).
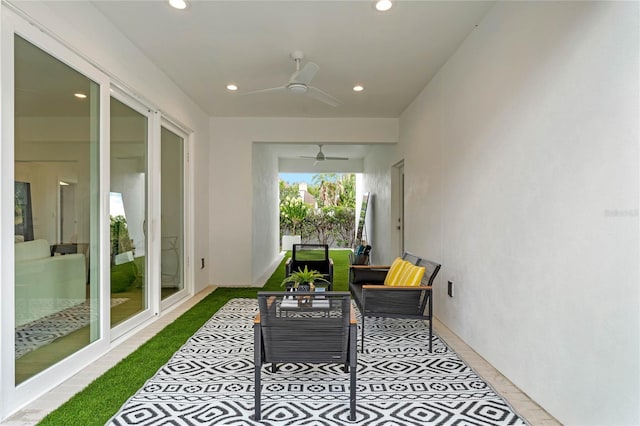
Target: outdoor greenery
(120,241)
(101,399)
(331,220)
(293,211)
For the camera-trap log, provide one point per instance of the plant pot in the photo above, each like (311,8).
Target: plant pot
(305,300)
(289,240)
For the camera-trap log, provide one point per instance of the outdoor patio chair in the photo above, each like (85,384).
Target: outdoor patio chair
(305,327)
(376,297)
(313,256)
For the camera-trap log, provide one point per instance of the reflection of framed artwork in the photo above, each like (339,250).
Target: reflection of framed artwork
(22,218)
(363,216)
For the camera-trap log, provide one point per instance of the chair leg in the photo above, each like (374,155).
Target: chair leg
(353,363)
(430,322)
(257,393)
(362,338)
(257,365)
(352,396)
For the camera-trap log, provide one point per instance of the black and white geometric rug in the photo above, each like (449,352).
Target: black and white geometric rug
(209,381)
(45,330)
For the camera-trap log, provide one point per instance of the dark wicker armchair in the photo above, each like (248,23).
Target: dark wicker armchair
(377,300)
(313,256)
(305,327)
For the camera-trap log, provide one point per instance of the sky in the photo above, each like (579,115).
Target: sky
(297,177)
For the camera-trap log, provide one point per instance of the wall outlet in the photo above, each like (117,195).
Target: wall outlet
(450,288)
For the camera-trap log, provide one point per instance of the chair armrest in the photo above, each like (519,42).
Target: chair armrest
(256,320)
(352,318)
(395,288)
(370,266)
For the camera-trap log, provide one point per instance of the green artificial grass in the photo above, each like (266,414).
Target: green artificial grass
(127,274)
(101,399)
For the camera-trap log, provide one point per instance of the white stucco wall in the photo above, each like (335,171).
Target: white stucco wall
(265,220)
(232,232)
(521,161)
(379,225)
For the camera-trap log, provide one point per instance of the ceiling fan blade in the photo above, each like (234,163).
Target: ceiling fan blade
(335,158)
(306,156)
(306,74)
(271,89)
(318,94)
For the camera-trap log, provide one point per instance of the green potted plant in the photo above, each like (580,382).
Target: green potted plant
(303,277)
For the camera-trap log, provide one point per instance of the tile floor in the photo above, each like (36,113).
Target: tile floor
(34,412)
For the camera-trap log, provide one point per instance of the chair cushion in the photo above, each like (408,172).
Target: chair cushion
(395,271)
(411,276)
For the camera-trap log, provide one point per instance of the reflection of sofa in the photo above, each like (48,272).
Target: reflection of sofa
(46,284)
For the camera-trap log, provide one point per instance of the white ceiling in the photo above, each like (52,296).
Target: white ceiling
(212,43)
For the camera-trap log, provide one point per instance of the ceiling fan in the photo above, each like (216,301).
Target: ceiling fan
(299,82)
(321,157)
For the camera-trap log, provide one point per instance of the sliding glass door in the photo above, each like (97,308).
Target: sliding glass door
(172,212)
(97,179)
(128,211)
(56,181)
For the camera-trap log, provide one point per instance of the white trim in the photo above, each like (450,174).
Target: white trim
(7,258)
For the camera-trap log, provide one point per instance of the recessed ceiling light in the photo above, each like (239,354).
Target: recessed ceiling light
(232,87)
(178,4)
(80,95)
(383,5)
(358,88)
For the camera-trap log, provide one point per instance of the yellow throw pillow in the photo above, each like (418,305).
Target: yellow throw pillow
(395,270)
(411,276)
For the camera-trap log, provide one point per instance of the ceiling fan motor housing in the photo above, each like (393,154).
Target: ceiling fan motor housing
(297,88)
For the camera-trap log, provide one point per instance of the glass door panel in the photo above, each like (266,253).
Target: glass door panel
(128,211)
(172,213)
(56,270)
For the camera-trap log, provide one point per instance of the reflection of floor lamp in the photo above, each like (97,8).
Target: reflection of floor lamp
(170,244)
(363,239)
(361,234)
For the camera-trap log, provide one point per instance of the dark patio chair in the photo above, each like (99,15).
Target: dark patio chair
(313,256)
(377,300)
(305,327)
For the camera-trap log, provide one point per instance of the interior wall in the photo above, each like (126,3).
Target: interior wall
(82,27)
(521,164)
(44,178)
(232,140)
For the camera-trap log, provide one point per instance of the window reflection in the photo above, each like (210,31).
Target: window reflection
(172,195)
(56,218)
(128,211)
